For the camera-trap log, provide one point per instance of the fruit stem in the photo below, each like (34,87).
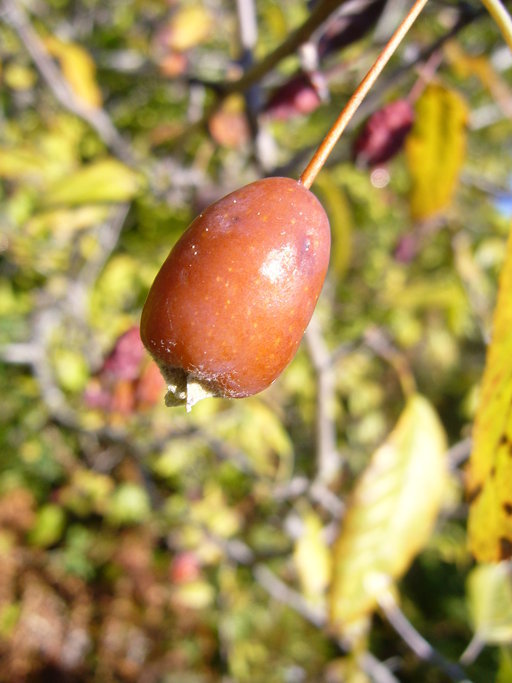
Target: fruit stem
(319,158)
(501,17)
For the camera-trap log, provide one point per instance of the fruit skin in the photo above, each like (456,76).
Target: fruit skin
(228,308)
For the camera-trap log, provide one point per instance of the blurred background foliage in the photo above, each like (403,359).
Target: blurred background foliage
(140,543)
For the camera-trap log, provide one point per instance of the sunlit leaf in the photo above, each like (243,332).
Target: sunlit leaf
(71,369)
(260,435)
(87,492)
(188,27)
(102,181)
(435,150)
(66,221)
(49,526)
(390,515)
(490,602)
(78,69)
(467,65)
(312,558)
(194,595)
(129,504)
(489,475)
(212,512)
(19,77)
(21,162)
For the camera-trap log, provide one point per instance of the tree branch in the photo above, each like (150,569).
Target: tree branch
(421,647)
(320,13)
(328,457)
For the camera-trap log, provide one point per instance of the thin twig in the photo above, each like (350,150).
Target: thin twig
(328,457)
(474,648)
(313,168)
(421,647)
(376,670)
(240,553)
(14,15)
(286,595)
(319,14)
(459,452)
(376,340)
(248,30)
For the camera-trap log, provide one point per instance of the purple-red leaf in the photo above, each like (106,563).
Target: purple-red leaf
(384,133)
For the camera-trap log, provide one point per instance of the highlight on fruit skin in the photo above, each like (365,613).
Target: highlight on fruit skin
(229,306)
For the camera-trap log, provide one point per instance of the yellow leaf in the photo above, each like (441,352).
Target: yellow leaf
(78,69)
(340,217)
(466,65)
(188,27)
(390,515)
(194,595)
(260,435)
(490,602)
(17,162)
(103,181)
(66,222)
(312,558)
(19,77)
(489,474)
(435,150)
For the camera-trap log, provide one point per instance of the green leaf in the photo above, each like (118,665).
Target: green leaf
(107,180)
(260,434)
(48,527)
(129,504)
(390,515)
(505,668)
(489,590)
(489,474)
(71,370)
(435,150)
(9,616)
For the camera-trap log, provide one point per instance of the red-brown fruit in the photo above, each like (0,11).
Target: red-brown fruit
(229,306)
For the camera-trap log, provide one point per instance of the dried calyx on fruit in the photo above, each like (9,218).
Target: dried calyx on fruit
(228,308)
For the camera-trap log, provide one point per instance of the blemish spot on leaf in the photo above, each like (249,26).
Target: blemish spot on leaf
(490,467)
(473,495)
(505,549)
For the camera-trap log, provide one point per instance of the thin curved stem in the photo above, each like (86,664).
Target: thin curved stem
(313,168)
(501,17)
